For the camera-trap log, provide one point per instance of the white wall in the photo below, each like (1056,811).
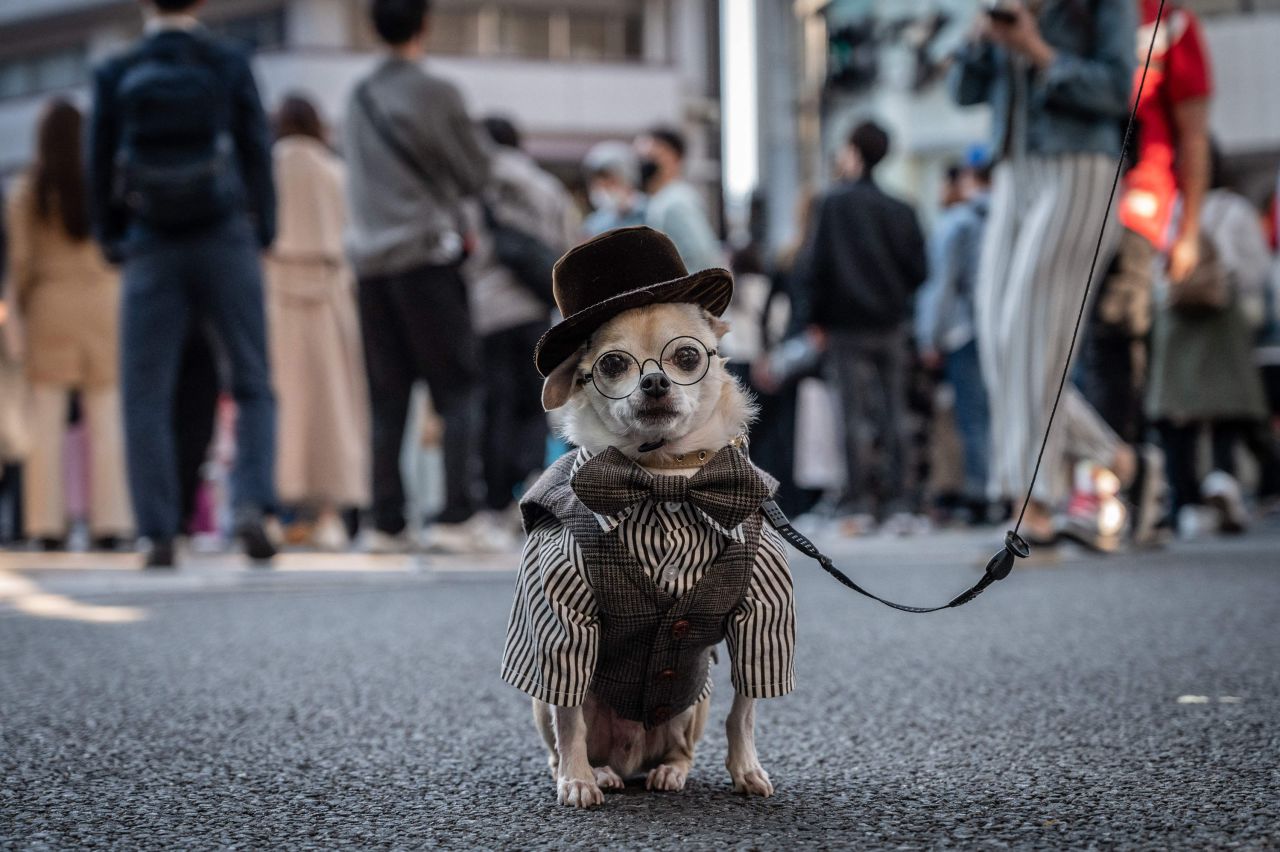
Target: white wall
(1246,67)
(543,97)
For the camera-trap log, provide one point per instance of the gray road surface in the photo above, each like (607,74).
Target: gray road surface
(1132,701)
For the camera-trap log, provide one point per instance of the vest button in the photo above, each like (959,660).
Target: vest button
(660,714)
(680,628)
(667,675)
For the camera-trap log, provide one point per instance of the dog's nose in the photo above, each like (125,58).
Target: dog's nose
(655,384)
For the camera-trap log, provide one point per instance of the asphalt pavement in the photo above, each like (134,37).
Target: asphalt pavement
(351,702)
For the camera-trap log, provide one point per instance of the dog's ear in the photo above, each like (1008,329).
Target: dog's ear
(559,385)
(718,326)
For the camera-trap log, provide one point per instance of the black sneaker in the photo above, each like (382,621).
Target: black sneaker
(161,555)
(106,543)
(49,544)
(257,544)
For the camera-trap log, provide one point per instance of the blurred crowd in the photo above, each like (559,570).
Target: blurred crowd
(214,327)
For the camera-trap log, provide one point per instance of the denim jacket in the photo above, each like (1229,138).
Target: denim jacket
(1079,103)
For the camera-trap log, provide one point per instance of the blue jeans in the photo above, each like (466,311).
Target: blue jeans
(964,375)
(170,284)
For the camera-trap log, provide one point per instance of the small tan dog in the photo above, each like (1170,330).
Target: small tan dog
(644,395)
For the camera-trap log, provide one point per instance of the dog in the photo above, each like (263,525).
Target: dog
(591,748)
(616,617)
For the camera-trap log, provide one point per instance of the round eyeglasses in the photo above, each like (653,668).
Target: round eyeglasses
(617,373)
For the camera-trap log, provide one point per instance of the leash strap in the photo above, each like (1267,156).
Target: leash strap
(998,567)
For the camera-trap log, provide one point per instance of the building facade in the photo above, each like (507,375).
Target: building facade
(569,72)
(887,59)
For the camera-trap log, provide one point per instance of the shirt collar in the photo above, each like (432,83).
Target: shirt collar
(609,523)
(172,23)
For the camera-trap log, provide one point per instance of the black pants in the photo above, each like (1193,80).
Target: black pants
(195,407)
(417,326)
(868,371)
(1181,448)
(515,427)
(11,521)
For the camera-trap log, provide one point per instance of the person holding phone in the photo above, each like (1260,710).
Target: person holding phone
(1057,75)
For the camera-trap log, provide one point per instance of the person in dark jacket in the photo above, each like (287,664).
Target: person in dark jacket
(856,281)
(182,195)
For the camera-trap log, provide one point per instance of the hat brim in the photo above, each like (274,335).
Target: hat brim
(710,288)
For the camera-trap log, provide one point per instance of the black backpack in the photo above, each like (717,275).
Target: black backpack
(176,165)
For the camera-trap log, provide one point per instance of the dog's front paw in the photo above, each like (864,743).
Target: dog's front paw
(607,779)
(579,792)
(751,780)
(667,778)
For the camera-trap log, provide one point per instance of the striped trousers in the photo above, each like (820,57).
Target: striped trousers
(1041,231)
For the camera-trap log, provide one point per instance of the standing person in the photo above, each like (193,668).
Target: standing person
(674,206)
(68,298)
(509,317)
(613,186)
(182,194)
(13,392)
(323,432)
(1160,206)
(944,320)
(1058,76)
(413,156)
(1203,371)
(856,280)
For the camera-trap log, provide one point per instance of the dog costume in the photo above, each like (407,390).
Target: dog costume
(629,579)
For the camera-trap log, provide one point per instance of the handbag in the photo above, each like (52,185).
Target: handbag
(15,435)
(529,258)
(1207,290)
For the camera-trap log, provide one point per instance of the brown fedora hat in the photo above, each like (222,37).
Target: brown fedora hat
(615,272)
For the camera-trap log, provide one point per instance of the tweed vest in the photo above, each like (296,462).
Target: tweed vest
(655,649)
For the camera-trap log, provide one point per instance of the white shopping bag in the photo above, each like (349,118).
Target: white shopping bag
(819,438)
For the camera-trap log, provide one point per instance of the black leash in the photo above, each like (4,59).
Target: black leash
(1015,547)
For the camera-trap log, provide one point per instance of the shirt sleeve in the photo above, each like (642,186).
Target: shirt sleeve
(762,630)
(1099,85)
(553,633)
(1186,66)
(19,268)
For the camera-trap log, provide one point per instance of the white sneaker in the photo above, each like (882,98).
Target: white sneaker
(330,534)
(495,532)
(855,525)
(381,543)
(453,539)
(1222,491)
(1197,522)
(905,524)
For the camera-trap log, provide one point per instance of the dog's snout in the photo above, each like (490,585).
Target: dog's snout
(655,384)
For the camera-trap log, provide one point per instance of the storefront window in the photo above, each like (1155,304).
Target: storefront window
(524,34)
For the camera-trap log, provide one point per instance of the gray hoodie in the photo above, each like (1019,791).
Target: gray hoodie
(398,220)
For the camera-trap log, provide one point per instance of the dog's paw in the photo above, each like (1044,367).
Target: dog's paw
(667,778)
(607,779)
(752,781)
(579,792)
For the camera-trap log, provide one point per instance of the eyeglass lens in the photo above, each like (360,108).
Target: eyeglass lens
(684,360)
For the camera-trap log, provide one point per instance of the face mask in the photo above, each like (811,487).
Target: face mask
(602,199)
(648,171)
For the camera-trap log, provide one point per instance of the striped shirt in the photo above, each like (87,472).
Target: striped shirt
(553,636)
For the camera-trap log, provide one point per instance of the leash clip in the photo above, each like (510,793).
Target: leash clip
(1002,563)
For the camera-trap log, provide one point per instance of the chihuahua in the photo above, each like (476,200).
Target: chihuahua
(591,747)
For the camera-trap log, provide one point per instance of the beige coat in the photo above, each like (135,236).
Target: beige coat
(67,295)
(323,423)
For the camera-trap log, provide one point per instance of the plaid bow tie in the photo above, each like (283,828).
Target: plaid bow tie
(727,489)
